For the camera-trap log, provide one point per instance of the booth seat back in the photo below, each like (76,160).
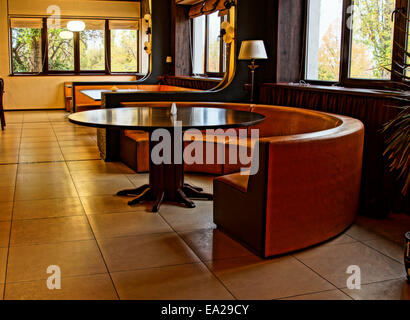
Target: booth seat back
(82,100)
(312,185)
(284,121)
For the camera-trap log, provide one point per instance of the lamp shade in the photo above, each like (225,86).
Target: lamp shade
(76,26)
(252,49)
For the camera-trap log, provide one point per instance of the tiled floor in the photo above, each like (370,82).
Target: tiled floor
(57,207)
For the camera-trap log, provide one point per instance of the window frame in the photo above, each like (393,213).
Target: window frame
(346,46)
(207,74)
(77,70)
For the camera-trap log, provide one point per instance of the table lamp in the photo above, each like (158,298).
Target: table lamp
(252,50)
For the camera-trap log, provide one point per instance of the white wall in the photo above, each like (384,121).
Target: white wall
(34,92)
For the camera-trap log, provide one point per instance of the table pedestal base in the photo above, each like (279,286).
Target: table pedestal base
(166,183)
(183,195)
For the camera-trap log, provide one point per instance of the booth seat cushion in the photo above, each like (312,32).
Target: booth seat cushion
(236,180)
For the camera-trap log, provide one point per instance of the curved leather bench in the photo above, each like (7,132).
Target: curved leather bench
(307,188)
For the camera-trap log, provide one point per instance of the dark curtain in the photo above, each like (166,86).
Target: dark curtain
(191,83)
(380,191)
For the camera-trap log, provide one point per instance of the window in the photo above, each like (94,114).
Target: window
(60,51)
(324,45)
(371,39)
(352,41)
(41,46)
(199,26)
(209,49)
(26,42)
(92,46)
(124,46)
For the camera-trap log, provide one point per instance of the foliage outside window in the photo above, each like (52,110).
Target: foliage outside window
(26,45)
(38,48)
(349,41)
(209,50)
(124,46)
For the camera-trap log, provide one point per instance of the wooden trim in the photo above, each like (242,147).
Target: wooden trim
(345,51)
(77,56)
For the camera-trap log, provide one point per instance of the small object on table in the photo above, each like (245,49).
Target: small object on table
(114,89)
(174,109)
(407,256)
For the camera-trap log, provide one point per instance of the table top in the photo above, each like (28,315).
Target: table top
(151,118)
(96,94)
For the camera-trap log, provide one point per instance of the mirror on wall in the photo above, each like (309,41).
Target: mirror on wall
(61,37)
(203,44)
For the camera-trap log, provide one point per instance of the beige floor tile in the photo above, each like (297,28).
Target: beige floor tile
(95,287)
(212,244)
(147,251)
(325,295)
(49,208)
(73,156)
(9,158)
(3,264)
(362,234)
(26,232)
(58,156)
(8,169)
(387,290)
(253,278)
(388,248)
(127,224)
(27,263)
(184,219)
(332,264)
(7,179)
(28,139)
(201,180)
(98,166)
(40,151)
(109,204)
(48,168)
(186,282)
(139,179)
(6,209)
(4,233)
(41,191)
(103,187)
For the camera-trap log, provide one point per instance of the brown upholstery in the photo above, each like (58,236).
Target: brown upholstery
(310,186)
(2,117)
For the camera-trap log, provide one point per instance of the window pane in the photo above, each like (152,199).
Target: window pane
(199,45)
(60,51)
(214,42)
(92,46)
(124,50)
(26,50)
(372,39)
(324,40)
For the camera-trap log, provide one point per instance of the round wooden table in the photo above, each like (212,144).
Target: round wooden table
(166,181)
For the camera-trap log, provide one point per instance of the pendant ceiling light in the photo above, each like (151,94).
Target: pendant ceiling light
(66,35)
(76,25)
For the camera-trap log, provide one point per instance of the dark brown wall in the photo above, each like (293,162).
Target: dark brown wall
(290,40)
